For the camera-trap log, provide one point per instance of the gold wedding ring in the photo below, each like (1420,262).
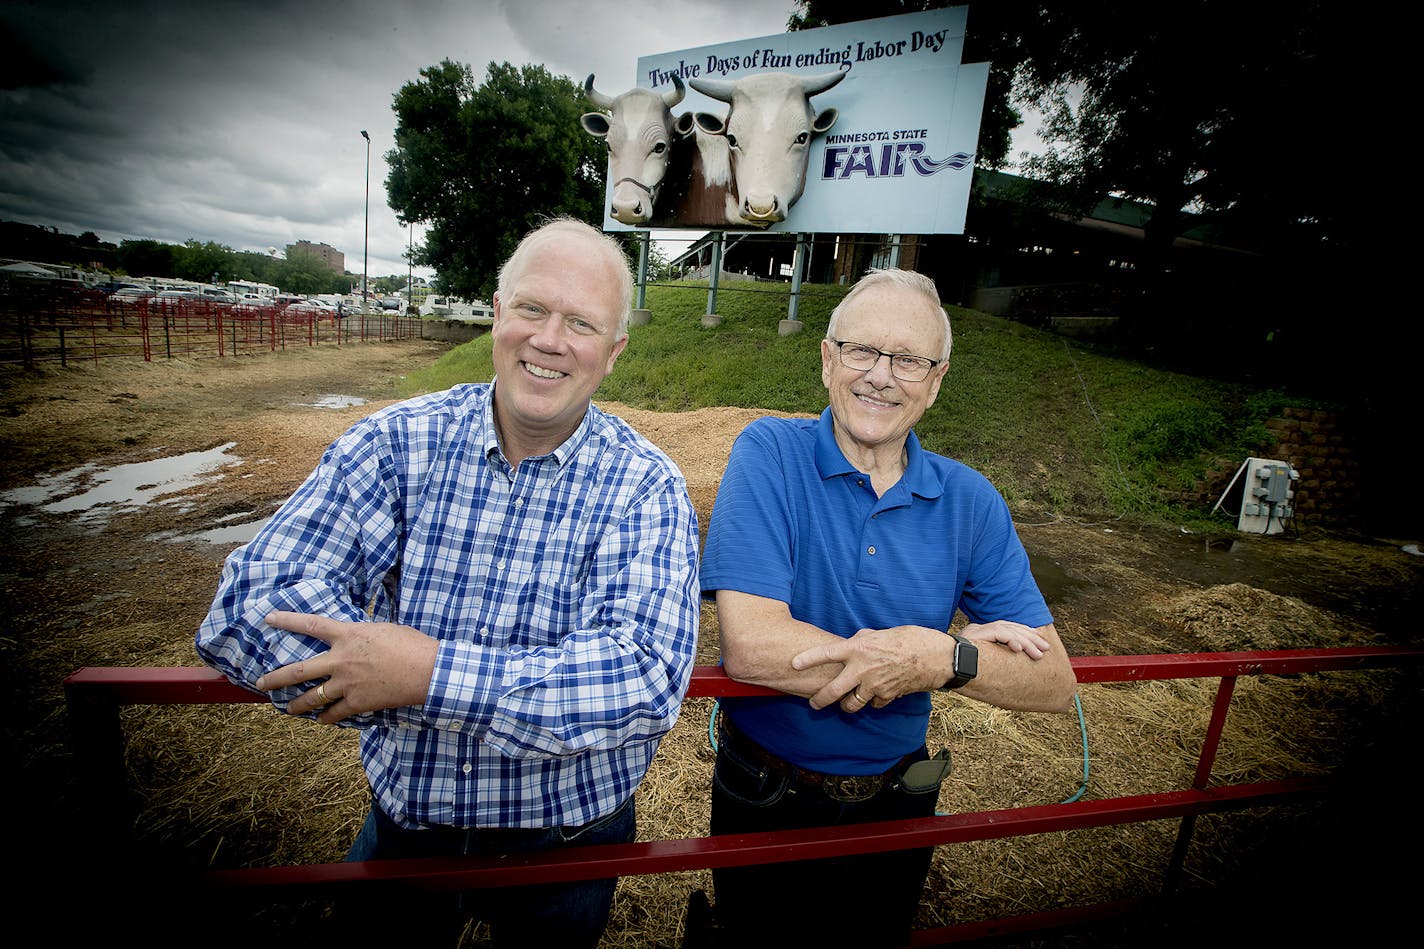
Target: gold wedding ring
(321,691)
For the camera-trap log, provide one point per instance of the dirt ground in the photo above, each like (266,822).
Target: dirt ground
(122,584)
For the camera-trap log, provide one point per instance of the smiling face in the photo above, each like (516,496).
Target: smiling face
(555,338)
(873,410)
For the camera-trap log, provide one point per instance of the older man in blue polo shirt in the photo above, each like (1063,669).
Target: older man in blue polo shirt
(839,551)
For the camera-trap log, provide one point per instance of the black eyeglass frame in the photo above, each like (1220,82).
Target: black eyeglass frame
(840,345)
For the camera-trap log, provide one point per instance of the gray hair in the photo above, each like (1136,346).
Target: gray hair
(599,243)
(890,277)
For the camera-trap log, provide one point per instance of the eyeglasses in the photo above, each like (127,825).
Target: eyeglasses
(903,366)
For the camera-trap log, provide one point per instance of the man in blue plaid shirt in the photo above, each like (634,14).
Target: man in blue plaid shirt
(498,585)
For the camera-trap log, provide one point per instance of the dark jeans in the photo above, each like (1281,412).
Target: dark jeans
(860,901)
(546,914)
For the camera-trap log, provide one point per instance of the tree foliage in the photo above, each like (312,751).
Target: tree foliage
(482,164)
(1201,105)
(201,260)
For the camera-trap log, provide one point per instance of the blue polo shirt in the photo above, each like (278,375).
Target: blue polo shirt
(795,522)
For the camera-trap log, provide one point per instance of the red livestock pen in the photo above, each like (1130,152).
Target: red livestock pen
(96,694)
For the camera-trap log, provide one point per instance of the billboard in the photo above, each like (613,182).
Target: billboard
(866,127)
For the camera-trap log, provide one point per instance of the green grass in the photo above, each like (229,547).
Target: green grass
(1056,426)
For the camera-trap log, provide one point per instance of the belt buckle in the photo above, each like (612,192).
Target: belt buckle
(851,788)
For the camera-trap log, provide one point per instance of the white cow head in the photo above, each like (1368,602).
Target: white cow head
(768,130)
(638,130)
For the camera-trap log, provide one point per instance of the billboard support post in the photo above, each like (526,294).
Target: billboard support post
(640,314)
(712,319)
(791,325)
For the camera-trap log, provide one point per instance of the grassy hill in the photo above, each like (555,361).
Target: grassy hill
(1057,427)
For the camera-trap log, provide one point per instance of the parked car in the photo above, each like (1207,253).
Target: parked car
(392,303)
(132,294)
(173,298)
(307,308)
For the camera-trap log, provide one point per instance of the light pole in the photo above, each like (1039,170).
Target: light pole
(366,247)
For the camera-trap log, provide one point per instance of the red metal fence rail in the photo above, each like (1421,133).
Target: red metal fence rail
(86,327)
(95,694)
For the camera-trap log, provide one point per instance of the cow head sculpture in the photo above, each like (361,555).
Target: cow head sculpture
(768,129)
(638,128)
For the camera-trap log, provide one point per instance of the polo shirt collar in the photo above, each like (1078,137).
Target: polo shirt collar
(831,462)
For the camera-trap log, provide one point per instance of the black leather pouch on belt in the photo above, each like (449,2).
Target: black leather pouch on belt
(930,773)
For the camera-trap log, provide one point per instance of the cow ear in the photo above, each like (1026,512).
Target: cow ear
(825,120)
(595,124)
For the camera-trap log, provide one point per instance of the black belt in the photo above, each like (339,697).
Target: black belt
(837,787)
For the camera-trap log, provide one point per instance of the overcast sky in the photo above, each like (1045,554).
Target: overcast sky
(239,121)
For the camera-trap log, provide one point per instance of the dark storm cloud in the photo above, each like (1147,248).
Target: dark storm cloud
(239,120)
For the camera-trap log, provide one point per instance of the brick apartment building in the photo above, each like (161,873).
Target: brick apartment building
(327,254)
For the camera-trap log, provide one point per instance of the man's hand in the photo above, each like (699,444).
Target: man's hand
(370,666)
(880,665)
(1016,636)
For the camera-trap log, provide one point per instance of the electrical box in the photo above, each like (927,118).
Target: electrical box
(1261,495)
(1268,496)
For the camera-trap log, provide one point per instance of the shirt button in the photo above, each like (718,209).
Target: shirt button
(871,551)
(467,767)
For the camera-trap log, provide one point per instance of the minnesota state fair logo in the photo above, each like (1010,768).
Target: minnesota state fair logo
(885,154)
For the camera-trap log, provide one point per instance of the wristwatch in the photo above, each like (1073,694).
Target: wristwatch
(966,663)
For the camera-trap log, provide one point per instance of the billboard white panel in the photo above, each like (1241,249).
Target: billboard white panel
(897,156)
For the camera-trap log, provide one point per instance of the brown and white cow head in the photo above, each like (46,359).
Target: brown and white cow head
(638,128)
(768,129)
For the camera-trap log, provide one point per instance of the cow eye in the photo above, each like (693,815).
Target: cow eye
(802,138)
(659,148)
(731,140)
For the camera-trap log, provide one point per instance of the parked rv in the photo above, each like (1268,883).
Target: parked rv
(453,308)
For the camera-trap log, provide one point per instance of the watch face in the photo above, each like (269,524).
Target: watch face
(966,659)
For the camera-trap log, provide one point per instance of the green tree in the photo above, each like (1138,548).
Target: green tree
(304,274)
(659,266)
(199,260)
(147,258)
(1203,105)
(1214,116)
(482,164)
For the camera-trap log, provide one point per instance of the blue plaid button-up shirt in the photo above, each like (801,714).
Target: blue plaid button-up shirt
(563,593)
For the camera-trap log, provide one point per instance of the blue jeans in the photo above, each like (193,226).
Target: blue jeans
(546,914)
(861,901)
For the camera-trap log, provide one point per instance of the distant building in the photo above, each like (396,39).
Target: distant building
(325,253)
